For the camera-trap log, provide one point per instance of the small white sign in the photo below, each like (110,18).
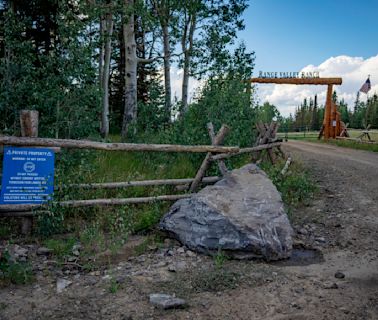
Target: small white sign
(334,123)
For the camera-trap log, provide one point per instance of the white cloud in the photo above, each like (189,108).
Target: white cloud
(176,84)
(353,71)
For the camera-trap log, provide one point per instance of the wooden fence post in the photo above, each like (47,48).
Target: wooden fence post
(266,133)
(221,165)
(29,120)
(218,139)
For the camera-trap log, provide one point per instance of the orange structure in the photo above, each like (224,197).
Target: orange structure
(332,125)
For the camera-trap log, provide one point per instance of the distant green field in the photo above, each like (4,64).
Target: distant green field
(313,137)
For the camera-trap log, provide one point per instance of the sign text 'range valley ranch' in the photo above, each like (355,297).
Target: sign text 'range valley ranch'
(274,75)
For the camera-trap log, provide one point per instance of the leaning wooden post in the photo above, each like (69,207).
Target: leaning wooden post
(218,139)
(221,165)
(29,120)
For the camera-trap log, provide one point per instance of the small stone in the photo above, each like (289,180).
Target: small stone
(345,310)
(19,253)
(190,253)
(166,301)
(43,251)
(303,231)
(339,275)
(181,250)
(320,239)
(178,266)
(61,284)
(170,253)
(330,285)
(76,253)
(161,264)
(172,268)
(121,279)
(77,247)
(295,305)
(71,259)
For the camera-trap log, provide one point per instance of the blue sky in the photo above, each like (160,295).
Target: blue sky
(337,38)
(290,34)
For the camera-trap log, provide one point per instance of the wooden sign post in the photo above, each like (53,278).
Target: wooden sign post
(331,119)
(29,120)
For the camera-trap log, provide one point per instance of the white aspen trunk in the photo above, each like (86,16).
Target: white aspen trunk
(102,52)
(130,111)
(167,68)
(187,56)
(185,83)
(105,76)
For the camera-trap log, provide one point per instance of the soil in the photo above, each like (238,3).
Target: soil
(333,273)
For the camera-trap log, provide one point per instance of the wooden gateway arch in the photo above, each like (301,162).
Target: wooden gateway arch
(332,124)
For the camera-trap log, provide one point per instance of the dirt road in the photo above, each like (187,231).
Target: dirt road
(334,274)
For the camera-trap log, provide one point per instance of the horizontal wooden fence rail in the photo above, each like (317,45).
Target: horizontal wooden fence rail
(141,183)
(245,150)
(92,202)
(87,144)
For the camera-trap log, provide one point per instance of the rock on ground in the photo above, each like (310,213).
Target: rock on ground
(243,214)
(166,301)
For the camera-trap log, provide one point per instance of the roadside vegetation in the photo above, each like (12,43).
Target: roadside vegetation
(99,233)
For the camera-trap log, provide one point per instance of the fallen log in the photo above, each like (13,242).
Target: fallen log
(92,202)
(86,144)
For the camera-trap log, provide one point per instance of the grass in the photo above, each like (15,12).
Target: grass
(60,247)
(296,187)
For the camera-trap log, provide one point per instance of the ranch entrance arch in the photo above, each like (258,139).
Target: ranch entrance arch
(331,123)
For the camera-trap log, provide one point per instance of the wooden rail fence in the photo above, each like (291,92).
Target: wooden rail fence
(215,152)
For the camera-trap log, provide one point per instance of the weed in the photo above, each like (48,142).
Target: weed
(296,187)
(50,222)
(219,259)
(114,286)
(92,239)
(215,280)
(153,240)
(149,217)
(60,247)
(5,230)
(14,272)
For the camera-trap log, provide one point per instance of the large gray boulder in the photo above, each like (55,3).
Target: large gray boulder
(243,215)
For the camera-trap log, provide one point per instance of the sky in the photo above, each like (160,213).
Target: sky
(338,38)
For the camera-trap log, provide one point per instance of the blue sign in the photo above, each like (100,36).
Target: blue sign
(28,175)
